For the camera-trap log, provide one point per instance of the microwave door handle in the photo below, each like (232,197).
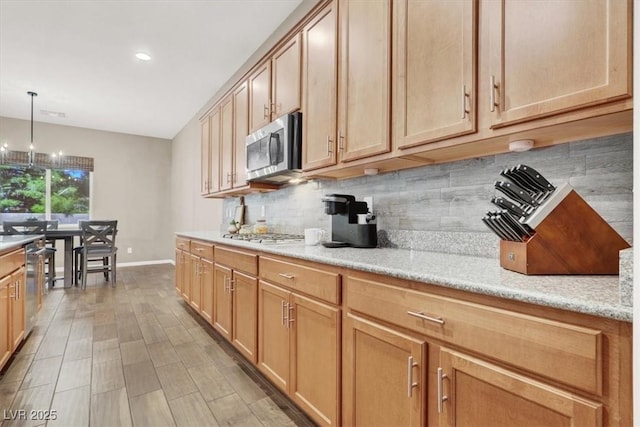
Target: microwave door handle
(273,157)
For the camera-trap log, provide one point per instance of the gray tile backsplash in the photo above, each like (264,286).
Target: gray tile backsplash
(438,207)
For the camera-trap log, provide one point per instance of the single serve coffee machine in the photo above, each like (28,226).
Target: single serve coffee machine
(345,227)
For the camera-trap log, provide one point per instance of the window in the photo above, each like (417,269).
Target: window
(44,193)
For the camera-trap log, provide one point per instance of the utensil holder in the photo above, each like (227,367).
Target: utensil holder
(570,238)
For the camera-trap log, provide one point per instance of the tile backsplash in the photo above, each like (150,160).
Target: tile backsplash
(438,207)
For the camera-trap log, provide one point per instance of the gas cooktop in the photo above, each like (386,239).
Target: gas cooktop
(267,239)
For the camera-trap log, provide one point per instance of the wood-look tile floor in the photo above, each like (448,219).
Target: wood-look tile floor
(133,355)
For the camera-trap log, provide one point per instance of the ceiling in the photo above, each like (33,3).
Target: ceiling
(79,57)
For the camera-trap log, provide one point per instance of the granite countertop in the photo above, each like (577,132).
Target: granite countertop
(9,242)
(595,295)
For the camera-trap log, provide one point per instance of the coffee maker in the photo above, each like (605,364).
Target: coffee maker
(346,230)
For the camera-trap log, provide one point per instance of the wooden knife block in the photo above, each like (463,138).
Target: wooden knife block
(570,239)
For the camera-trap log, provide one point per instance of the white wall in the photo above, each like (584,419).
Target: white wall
(131,181)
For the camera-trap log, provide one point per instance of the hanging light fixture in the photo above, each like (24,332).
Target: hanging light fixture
(32,153)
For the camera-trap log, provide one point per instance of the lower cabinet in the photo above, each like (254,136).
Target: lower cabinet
(181,271)
(17,288)
(384,381)
(194,294)
(205,271)
(6,345)
(475,392)
(299,349)
(13,282)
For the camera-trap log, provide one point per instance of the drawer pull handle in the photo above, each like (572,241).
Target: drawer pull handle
(410,384)
(287,276)
(420,315)
(441,398)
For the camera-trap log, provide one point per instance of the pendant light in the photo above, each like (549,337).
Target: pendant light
(32,154)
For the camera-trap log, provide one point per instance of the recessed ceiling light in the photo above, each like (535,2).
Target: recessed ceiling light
(53,113)
(143,56)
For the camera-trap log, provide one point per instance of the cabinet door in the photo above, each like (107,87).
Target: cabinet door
(17,291)
(179,272)
(194,292)
(206,280)
(222,300)
(365,78)
(273,334)
(205,157)
(384,381)
(259,97)
(285,86)
(319,90)
(214,151)
(5,313)
(240,132)
(434,70)
(315,359)
(479,393)
(226,143)
(245,315)
(554,56)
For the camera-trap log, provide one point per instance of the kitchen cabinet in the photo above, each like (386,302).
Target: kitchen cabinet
(320,89)
(240,132)
(365,79)
(17,291)
(274,86)
(6,347)
(236,299)
(552,57)
(182,275)
(299,335)
(385,377)
(434,74)
(194,294)
(210,152)
(201,278)
(490,365)
(476,392)
(226,143)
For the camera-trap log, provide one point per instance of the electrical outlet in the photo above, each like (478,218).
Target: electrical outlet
(129,250)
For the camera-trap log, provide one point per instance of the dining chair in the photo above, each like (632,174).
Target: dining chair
(98,245)
(35,227)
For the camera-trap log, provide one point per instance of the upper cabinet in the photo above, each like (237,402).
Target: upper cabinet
(434,74)
(556,56)
(240,132)
(365,78)
(274,86)
(205,170)
(319,90)
(210,152)
(226,143)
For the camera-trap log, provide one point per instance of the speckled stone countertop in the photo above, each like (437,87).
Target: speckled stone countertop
(10,242)
(596,295)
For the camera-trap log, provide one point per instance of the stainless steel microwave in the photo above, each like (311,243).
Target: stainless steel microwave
(274,153)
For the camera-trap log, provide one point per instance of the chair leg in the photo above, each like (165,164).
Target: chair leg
(105,266)
(84,272)
(113,271)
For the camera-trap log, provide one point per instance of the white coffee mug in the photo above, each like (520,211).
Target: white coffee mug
(313,236)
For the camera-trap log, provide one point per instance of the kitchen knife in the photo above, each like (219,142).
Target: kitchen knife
(523,230)
(536,177)
(520,179)
(489,223)
(510,206)
(499,220)
(515,192)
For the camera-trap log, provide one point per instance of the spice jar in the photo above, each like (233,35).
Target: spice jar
(260,227)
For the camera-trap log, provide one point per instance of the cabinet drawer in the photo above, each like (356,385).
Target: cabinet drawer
(237,260)
(202,249)
(182,243)
(11,261)
(560,351)
(311,281)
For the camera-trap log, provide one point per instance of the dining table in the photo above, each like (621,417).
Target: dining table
(66,234)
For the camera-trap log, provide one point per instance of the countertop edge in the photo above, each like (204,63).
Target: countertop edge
(20,240)
(605,310)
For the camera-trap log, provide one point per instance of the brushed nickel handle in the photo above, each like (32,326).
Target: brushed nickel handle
(228,177)
(287,276)
(465,95)
(199,249)
(441,397)
(340,142)
(285,316)
(410,384)
(329,143)
(290,315)
(265,110)
(421,315)
(492,93)
(282,312)
(234,177)
(231,283)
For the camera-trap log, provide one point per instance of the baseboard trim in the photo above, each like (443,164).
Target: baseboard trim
(133,264)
